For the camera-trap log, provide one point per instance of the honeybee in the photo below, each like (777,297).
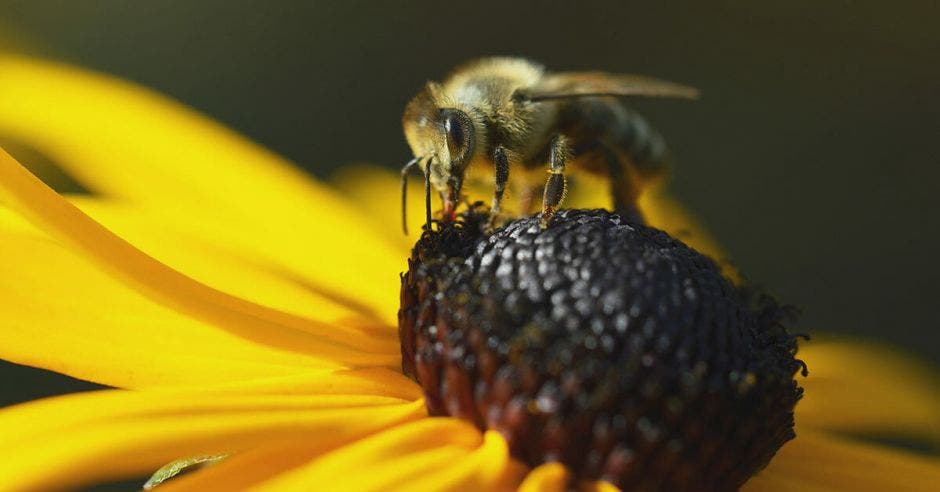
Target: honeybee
(509,112)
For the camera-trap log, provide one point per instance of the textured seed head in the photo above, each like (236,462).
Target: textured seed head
(607,346)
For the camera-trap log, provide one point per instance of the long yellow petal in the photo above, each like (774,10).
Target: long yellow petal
(33,421)
(216,265)
(375,381)
(815,461)
(430,454)
(80,439)
(254,467)
(859,387)
(249,468)
(63,313)
(50,212)
(129,143)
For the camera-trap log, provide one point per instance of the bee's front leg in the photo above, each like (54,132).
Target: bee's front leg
(555,187)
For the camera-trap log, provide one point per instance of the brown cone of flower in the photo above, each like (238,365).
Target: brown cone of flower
(609,347)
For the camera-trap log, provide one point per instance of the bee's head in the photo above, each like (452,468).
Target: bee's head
(446,134)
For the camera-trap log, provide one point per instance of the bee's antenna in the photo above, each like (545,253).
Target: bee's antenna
(404,192)
(427,192)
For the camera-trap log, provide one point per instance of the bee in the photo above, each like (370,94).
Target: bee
(506,113)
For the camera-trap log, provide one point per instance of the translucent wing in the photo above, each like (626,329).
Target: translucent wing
(591,84)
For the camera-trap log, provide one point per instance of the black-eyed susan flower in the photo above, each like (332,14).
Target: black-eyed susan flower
(249,315)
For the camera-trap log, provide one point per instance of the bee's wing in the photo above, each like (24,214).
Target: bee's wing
(588,84)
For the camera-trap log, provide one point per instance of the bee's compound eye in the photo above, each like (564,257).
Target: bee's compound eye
(456,136)
(459,129)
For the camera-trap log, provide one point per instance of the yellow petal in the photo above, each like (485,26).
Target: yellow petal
(377,192)
(430,454)
(488,467)
(266,326)
(863,388)
(248,468)
(253,466)
(62,313)
(554,477)
(79,439)
(216,265)
(598,486)
(129,143)
(550,477)
(375,381)
(815,461)
(347,387)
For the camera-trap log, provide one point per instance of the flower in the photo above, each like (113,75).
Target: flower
(246,308)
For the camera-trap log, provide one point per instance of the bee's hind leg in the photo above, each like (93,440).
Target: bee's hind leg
(555,187)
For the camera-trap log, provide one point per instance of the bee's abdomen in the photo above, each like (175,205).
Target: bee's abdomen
(590,123)
(609,347)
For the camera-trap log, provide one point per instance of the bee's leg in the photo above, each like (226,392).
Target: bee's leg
(555,187)
(502,177)
(624,185)
(404,192)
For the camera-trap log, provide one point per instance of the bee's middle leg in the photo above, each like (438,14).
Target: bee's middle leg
(502,177)
(555,187)
(501,161)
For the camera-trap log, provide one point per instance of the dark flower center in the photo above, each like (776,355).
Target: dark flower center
(607,346)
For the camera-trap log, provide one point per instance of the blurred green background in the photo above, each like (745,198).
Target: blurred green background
(812,156)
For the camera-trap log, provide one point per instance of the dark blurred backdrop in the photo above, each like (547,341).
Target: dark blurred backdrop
(813,155)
